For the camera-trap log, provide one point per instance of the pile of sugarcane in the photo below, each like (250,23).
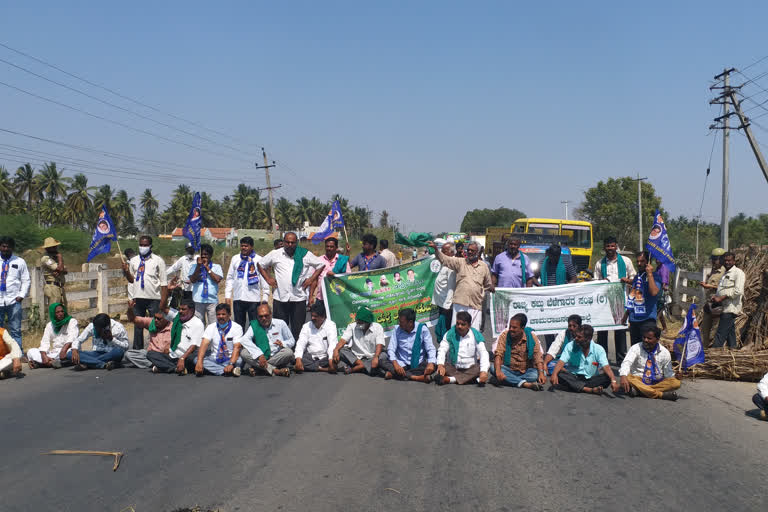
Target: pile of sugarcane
(752,324)
(743,365)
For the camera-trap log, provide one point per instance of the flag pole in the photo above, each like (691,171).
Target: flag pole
(119,250)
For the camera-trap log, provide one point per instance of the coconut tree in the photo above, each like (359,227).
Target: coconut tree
(7,192)
(79,201)
(25,183)
(148,201)
(286,214)
(51,182)
(123,206)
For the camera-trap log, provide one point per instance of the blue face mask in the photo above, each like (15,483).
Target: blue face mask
(222,324)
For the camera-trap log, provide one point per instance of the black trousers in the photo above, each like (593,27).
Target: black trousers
(726,330)
(143,307)
(760,402)
(242,309)
(167,364)
(579,382)
(292,313)
(619,339)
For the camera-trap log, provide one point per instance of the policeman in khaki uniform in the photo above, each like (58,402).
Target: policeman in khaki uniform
(707,320)
(52,263)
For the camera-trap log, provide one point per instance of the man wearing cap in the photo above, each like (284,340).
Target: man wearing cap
(361,345)
(708,315)
(54,270)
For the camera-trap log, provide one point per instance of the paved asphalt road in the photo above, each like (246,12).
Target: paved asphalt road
(325,442)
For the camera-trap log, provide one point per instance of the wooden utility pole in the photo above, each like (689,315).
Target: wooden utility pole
(269,188)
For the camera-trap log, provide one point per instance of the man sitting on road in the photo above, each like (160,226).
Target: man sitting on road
(110,341)
(519,350)
(61,331)
(267,345)
(562,339)
(219,352)
(647,368)
(463,346)
(580,363)
(361,345)
(186,334)
(159,327)
(10,356)
(411,353)
(314,348)
(760,399)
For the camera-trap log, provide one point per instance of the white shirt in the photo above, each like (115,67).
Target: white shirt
(212,335)
(762,387)
(238,288)
(612,269)
(319,343)
(154,277)
(389,257)
(277,331)
(557,345)
(732,287)
(119,338)
(16,282)
(191,334)
(634,362)
(182,266)
(445,284)
(283,265)
(52,343)
(363,345)
(470,351)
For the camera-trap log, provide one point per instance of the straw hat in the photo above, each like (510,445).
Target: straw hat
(50,242)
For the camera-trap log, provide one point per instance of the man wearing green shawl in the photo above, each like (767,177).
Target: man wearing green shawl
(186,335)
(296,273)
(459,352)
(562,339)
(442,294)
(411,353)
(361,345)
(614,268)
(517,359)
(267,345)
(556,269)
(583,366)
(60,332)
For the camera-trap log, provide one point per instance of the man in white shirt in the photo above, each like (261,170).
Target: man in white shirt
(61,331)
(614,268)
(150,285)
(245,289)
(729,295)
(459,352)
(442,295)
(186,335)
(182,267)
(267,345)
(14,286)
(384,252)
(561,340)
(647,369)
(361,345)
(293,285)
(10,356)
(314,347)
(760,399)
(205,276)
(219,352)
(110,341)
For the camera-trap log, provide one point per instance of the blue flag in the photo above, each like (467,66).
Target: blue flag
(102,235)
(658,244)
(194,222)
(689,340)
(334,221)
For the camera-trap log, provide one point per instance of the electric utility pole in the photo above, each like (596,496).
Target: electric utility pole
(269,188)
(724,99)
(750,137)
(566,208)
(639,181)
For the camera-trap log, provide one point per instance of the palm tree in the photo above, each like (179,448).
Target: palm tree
(51,182)
(80,200)
(318,211)
(148,201)
(150,221)
(123,212)
(50,212)
(303,210)
(7,193)
(25,183)
(286,215)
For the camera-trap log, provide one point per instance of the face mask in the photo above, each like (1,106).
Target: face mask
(222,324)
(188,315)
(144,250)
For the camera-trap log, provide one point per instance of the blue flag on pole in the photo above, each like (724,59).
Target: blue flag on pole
(193,225)
(688,341)
(658,244)
(102,235)
(334,221)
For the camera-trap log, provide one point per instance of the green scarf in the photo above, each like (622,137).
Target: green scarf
(619,261)
(414,240)
(58,324)
(298,264)
(559,272)
(522,267)
(341,265)
(175,331)
(453,342)
(416,350)
(529,342)
(261,339)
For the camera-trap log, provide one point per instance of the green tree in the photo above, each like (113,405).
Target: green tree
(148,201)
(611,207)
(477,220)
(26,184)
(51,182)
(384,219)
(79,201)
(7,192)
(123,217)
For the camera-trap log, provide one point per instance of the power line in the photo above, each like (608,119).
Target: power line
(756,62)
(118,123)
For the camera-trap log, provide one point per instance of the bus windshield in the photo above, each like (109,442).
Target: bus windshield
(543,229)
(578,236)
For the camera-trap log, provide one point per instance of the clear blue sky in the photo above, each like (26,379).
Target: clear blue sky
(424,109)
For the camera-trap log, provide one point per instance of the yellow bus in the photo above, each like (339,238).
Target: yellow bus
(576,234)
